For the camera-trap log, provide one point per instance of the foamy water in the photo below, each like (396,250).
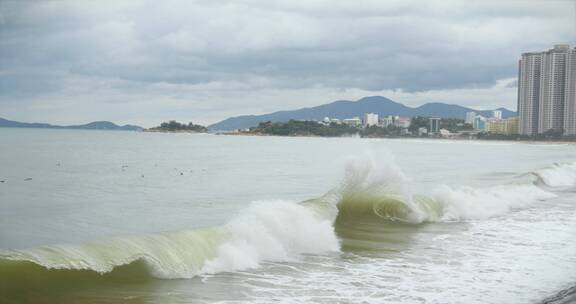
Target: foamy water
(294,220)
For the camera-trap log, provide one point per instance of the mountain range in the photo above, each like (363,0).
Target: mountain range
(342,109)
(97,125)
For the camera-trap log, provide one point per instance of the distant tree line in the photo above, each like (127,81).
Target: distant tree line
(314,128)
(303,128)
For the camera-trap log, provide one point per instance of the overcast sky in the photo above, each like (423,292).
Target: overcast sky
(146,61)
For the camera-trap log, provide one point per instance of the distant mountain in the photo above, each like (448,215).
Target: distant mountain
(347,109)
(97,125)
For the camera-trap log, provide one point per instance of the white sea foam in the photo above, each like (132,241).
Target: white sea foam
(466,203)
(272,231)
(378,184)
(558,175)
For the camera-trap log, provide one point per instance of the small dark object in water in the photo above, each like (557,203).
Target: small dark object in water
(1,181)
(181,173)
(28,179)
(142,175)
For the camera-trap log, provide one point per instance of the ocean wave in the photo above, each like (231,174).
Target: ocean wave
(558,175)
(374,193)
(379,189)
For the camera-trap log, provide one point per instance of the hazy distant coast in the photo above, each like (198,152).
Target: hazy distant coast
(96,125)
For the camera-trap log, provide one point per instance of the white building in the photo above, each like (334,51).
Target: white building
(470,117)
(446,133)
(422,131)
(356,121)
(402,122)
(547,91)
(370,119)
(386,121)
(497,114)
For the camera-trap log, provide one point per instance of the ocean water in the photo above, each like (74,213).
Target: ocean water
(128,217)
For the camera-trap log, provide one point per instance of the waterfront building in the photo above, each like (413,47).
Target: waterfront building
(470,117)
(507,126)
(386,121)
(422,131)
(434,125)
(546,91)
(370,119)
(479,123)
(402,122)
(356,121)
(446,133)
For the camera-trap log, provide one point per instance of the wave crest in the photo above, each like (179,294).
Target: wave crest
(558,175)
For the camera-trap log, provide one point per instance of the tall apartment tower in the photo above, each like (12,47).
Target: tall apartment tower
(552,84)
(529,93)
(570,94)
(546,90)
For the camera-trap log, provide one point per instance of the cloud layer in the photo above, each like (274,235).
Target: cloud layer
(144,61)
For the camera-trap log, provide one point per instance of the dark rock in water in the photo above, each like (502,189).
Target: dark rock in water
(1,181)
(28,179)
(181,173)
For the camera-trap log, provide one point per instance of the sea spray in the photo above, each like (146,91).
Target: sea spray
(375,187)
(272,231)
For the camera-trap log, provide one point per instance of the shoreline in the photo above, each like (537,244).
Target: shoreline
(528,141)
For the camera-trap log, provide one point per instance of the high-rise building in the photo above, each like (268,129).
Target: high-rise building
(470,117)
(529,93)
(479,123)
(434,125)
(552,83)
(370,119)
(546,86)
(570,95)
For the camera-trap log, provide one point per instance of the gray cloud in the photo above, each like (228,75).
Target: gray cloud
(201,58)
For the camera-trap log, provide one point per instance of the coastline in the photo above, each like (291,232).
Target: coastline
(526,141)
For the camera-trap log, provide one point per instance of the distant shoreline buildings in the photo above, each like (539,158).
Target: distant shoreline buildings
(547,92)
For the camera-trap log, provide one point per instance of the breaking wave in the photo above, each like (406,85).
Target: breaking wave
(374,201)
(558,175)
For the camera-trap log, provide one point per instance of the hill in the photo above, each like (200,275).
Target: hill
(346,109)
(97,125)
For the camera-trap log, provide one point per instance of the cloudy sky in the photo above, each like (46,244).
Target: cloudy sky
(146,61)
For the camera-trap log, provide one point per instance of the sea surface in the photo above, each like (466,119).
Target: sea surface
(134,217)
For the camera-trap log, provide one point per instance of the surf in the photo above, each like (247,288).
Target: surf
(375,206)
